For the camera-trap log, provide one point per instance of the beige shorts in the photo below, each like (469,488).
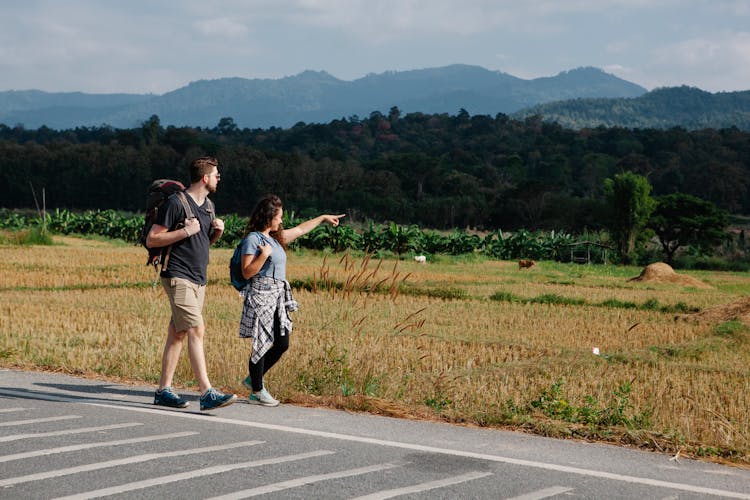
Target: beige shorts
(186,300)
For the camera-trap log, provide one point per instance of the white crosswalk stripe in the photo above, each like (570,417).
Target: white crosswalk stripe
(206,471)
(11,410)
(430,485)
(88,446)
(66,432)
(545,493)
(294,483)
(38,420)
(123,461)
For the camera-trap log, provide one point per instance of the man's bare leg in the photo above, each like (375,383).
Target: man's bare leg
(171,356)
(198,357)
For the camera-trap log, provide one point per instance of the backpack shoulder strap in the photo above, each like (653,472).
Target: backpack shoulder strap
(183,199)
(210,208)
(188,215)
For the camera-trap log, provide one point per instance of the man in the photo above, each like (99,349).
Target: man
(184,280)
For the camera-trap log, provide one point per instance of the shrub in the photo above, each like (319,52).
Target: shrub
(32,236)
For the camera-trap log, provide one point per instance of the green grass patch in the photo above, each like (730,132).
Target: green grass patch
(449,293)
(313,285)
(555,299)
(7,353)
(618,304)
(735,331)
(506,297)
(80,287)
(554,404)
(32,236)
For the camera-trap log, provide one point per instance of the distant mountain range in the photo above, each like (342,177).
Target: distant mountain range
(583,97)
(312,96)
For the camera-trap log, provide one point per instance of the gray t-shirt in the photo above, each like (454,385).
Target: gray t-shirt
(189,257)
(275,265)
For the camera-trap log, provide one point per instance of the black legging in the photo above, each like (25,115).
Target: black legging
(280,345)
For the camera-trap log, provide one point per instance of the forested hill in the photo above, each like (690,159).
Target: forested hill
(435,170)
(311,97)
(686,107)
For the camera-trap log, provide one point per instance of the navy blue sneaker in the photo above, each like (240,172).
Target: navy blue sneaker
(167,397)
(213,399)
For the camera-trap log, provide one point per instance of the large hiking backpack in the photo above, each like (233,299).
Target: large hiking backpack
(157,194)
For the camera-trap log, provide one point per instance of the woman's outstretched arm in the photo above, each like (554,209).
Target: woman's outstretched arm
(307,226)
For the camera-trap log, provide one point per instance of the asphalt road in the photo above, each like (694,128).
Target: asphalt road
(66,437)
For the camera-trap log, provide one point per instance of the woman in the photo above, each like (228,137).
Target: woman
(268,296)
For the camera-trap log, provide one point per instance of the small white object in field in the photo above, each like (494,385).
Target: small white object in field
(420,258)
(595,350)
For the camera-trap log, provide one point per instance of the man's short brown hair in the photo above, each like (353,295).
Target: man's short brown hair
(202,166)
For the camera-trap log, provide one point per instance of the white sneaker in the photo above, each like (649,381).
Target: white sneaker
(262,398)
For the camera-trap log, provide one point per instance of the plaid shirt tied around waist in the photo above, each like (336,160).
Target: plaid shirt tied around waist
(263,299)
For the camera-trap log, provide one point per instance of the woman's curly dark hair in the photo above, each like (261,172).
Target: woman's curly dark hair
(263,214)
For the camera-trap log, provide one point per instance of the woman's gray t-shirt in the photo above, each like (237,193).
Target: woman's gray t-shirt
(275,265)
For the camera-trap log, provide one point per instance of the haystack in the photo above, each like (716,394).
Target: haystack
(738,310)
(659,272)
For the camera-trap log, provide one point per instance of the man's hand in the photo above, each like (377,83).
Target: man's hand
(218,225)
(192,226)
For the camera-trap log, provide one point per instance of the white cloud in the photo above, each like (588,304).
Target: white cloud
(141,45)
(387,20)
(733,7)
(717,62)
(617,47)
(615,68)
(689,53)
(223,27)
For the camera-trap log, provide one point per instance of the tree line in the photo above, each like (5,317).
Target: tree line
(689,107)
(434,170)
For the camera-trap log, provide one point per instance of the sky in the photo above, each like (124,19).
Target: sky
(155,46)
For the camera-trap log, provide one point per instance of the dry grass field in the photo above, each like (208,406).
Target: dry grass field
(465,341)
